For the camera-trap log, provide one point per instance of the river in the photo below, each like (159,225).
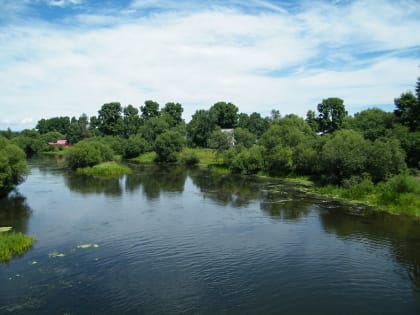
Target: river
(170,240)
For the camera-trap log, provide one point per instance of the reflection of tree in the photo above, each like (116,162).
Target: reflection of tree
(90,184)
(402,233)
(156,179)
(237,191)
(15,212)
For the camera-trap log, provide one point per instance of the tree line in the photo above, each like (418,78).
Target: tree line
(329,144)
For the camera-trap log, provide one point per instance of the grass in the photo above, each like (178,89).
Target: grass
(203,156)
(55,152)
(105,169)
(14,244)
(399,195)
(145,158)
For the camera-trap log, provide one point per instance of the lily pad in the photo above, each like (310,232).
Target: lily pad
(5,228)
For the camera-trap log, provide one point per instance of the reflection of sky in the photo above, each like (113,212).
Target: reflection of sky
(66,57)
(189,251)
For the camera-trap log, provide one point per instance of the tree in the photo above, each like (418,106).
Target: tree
(79,129)
(88,153)
(110,121)
(153,127)
(135,146)
(345,154)
(248,161)
(331,114)
(12,166)
(244,137)
(408,109)
(149,110)
(372,123)
(131,120)
(311,120)
(30,142)
(60,124)
(226,114)
(174,111)
(200,127)
(167,145)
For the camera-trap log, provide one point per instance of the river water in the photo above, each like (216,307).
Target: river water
(166,240)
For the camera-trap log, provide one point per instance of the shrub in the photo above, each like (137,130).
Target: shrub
(88,153)
(134,146)
(248,161)
(167,145)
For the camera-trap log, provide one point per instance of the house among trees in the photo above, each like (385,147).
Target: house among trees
(63,143)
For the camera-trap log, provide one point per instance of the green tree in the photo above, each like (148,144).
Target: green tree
(311,120)
(149,110)
(226,114)
(200,127)
(386,158)
(30,142)
(110,120)
(244,137)
(167,145)
(88,153)
(248,161)
(135,146)
(12,166)
(372,123)
(174,111)
(345,154)
(60,124)
(131,120)
(331,114)
(79,129)
(408,109)
(153,127)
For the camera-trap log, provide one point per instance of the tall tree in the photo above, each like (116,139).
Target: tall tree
(331,114)
(408,109)
(200,127)
(149,110)
(174,111)
(131,120)
(110,121)
(226,114)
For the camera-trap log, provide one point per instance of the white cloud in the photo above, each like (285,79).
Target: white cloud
(63,3)
(206,56)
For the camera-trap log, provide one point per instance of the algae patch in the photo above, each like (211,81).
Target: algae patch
(84,246)
(56,254)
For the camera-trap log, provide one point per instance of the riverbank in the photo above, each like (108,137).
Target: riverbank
(105,169)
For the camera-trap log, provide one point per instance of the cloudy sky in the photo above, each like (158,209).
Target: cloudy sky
(68,57)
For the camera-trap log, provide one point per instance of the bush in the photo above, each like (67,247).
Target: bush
(12,166)
(248,161)
(134,146)
(13,244)
(167,145)
(88,153)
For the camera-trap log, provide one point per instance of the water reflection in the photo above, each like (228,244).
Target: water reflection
(400,233)
(155,179)
(237,191)
(15,212)
(93,185)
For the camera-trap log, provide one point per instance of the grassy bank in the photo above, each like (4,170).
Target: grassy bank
(105,169)
(146,158)
(14,244)
(398,195)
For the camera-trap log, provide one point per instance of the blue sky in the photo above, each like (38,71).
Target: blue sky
(68,57)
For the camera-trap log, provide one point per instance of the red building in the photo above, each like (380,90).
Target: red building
(62,143)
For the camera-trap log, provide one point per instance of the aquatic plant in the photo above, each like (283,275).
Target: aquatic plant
(14,244)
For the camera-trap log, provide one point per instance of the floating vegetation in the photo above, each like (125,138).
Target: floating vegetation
(84,246)
(13,244)
(55,254)
(5,229)
(105,169)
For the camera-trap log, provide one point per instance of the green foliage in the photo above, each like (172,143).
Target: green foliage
(12,166)
(134,146)
(105,169)
(204,156)
(110,120)
(88,153)
(226,114)
(30,142)
(248,161)
(14,244)
(372,123)
(131,121)
(167,145)
(220,140)
(244,137)
(59,124)
(145,158)
(149,110)
(410,143)
(174,111)
(153,127)
(345,154)
(117,144)
(408,109)
(200,127)
(386,158)
(331,114)
(280,160)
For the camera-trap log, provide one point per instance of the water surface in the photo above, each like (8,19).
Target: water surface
(177,241)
